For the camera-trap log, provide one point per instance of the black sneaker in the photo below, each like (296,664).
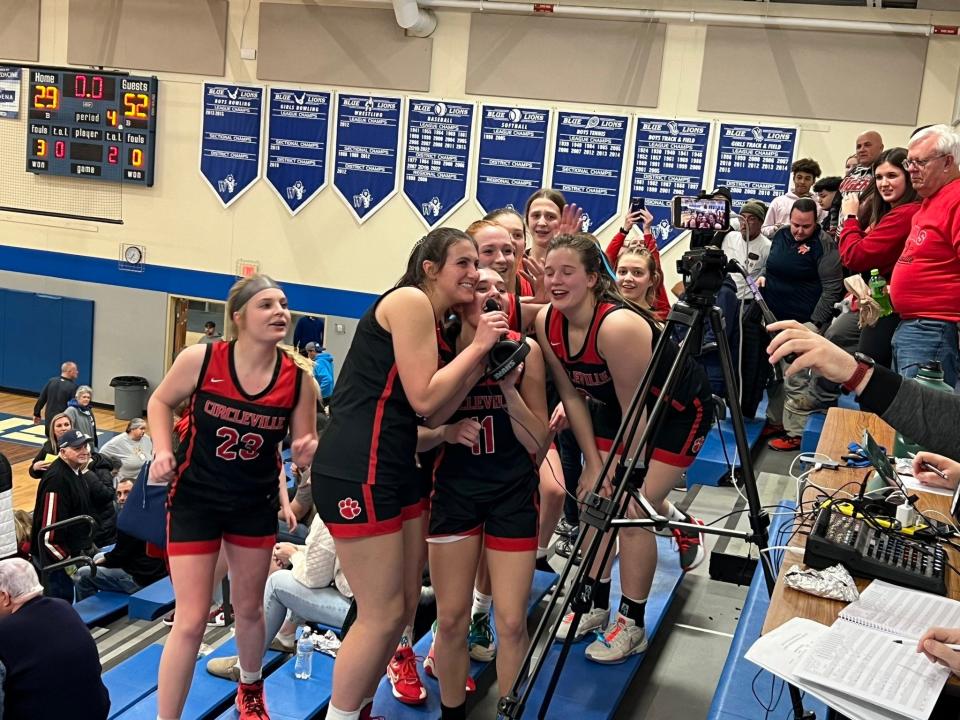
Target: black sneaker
(564,547)
(565,529)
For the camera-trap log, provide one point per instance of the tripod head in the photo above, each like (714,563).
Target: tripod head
(703,270)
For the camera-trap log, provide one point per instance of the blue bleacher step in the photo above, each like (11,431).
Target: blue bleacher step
(589,690)
(102,606)
(715,457)
(208,694)
(741,682)
(385,705)
(152,601)
(812,431)
(133,679)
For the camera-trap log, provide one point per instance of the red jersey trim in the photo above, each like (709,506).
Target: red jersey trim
(510,544)
(377,421)
(369,529)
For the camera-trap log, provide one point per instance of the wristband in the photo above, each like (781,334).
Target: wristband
(624,232)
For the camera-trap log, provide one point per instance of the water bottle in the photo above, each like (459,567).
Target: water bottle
(931,376)
(878,291)
(303,665)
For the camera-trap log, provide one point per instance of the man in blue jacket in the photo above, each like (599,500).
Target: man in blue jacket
(322,370)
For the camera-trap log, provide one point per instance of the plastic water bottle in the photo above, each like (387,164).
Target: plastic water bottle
(878,291)
(303,665)
(930,375)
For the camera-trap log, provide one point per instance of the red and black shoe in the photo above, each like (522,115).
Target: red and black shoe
(689,545)
(788,443)
(771,429)
(250,703)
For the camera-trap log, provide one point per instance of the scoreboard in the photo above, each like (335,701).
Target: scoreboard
(91,125)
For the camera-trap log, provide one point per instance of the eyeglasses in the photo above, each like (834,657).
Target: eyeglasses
(920,164)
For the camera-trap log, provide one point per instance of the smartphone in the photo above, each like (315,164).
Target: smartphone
(637,204)
(693,213)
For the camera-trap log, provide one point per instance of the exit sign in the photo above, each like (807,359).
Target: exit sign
(246,268)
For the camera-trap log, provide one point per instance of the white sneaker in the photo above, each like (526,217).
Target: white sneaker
(589,622)
(618,642)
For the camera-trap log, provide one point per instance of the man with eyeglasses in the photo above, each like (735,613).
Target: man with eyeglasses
(925,286)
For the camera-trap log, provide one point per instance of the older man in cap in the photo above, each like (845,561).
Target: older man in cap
(49,666)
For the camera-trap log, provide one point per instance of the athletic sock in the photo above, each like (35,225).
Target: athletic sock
(337,714)
(541,552)
(248,678)
(481,603)
(676,514)
(633,609)
(453,713)
(601,594)
(542,563)
(406,640)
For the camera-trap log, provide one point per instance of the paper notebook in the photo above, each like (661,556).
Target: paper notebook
(908,614)
(863,673)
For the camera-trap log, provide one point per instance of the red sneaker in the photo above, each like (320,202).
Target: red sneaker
(250,703)
(430,663)
(771,429)
(785,444)
(406,683)
(689,545)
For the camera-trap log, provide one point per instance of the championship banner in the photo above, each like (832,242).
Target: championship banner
(230,140)
(669,159)
(297,145)
(437,158)
(754,161)
(512,157)
(9,92)
(367,144)
(588,156)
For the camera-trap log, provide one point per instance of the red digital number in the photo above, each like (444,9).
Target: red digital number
(60,149)
(486,437)
(80,86)
(113,154)
(97,85)
(233,445)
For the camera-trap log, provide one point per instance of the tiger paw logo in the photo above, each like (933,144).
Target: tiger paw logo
(349,508)
(697,444)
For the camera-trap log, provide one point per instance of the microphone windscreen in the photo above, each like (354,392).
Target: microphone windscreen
(491,305)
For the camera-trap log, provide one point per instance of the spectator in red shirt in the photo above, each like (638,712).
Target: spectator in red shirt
(881,242)
(924,286)
(660,305)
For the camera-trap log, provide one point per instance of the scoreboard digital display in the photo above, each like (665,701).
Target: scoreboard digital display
(92,125)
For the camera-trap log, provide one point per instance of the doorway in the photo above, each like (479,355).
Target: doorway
(187,319)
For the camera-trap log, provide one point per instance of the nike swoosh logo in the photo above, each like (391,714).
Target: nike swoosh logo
(213,380)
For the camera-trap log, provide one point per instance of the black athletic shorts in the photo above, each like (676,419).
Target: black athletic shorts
(350,509)
(507,517)
(197,529)
(681,435)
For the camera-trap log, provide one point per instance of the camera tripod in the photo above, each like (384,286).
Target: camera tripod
(703,273)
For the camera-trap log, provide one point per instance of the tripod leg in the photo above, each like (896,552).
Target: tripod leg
(759,521)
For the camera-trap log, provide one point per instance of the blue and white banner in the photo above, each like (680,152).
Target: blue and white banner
(9,92)
(754,161)
(230,140)
(669,159)
(437,157)
(297,145)
(588,156)
(512,158)
(367,145)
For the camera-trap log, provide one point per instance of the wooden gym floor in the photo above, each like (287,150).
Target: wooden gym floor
(20,456)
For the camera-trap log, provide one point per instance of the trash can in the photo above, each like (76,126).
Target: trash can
(129,396)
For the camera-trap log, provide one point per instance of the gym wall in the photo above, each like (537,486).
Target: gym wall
(182,224)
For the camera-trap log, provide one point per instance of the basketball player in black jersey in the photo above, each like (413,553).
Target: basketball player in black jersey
(597,345)
(366,485)
(485,501)
(243,395)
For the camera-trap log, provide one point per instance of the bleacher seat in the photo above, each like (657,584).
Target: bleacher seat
(152,601)
(101,607)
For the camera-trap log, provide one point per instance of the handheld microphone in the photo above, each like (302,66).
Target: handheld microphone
(506,354)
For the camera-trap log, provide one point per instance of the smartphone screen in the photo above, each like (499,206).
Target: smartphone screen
(691,213)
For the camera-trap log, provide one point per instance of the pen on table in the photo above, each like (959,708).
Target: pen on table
(955,648)
(932,468)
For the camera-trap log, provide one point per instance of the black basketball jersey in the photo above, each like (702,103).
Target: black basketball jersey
(372,434)
(589,374)
(498,457)
(230,451)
